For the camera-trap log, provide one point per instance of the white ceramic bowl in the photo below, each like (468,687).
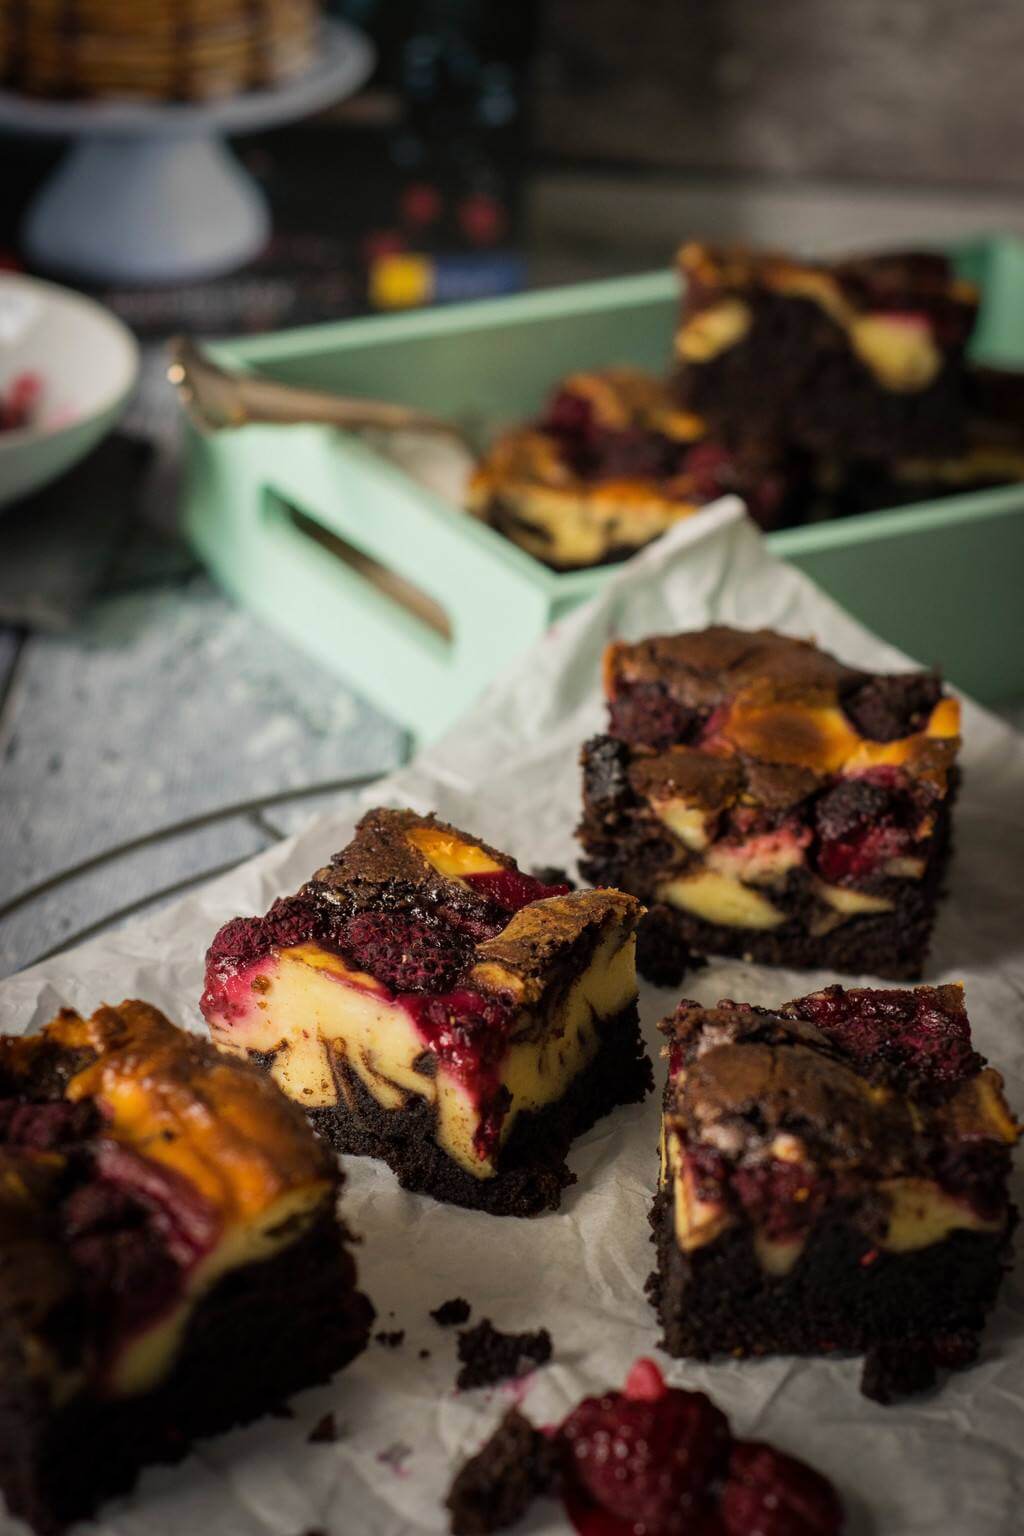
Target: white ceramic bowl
(88,363)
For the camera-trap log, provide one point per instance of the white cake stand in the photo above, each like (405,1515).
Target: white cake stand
(150,193)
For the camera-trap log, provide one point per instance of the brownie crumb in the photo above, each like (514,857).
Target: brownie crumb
(488,1355)
(449,1313)
(897,1368)
(325,1432)
(390,1340)
(424,1354)
(496,1486)
(902,1367)
(552,874)
(662,956)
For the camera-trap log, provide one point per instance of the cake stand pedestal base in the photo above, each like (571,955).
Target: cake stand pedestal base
(149,192)
(147,210)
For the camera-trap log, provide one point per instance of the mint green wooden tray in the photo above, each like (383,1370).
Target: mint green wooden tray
(941,579)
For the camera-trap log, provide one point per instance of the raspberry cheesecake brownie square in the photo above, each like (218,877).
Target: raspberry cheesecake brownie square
(858,358)
(833,1179)
(431,1005)
(771,802)
(171,1262)
(612,463)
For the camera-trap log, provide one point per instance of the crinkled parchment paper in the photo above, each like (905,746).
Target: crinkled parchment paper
(948,1463)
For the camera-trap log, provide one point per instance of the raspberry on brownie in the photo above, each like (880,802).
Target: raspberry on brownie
(431,1005)
(611,464)
(651,1460)
(857,358)
(773,802)
(834,1179)
(171,1263)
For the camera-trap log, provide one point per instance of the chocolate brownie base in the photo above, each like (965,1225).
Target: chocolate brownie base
(532,1172)
(842,1297)
(262,1333)
(823,399)
(892,945)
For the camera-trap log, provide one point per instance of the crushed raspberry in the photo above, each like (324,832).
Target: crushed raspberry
(655,1460)
(771,1494)
(597,452)
(403,952)
(188,1225)
(782,1197)
(645,1383)
(863,855)
(510,889)
(20,401)
(653,1463)
(922,1032)
(709,1170)
(117,1247)
(568,415)
(43,1127)
(863,822)
(468,1032)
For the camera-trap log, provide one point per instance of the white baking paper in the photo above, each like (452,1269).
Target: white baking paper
(948,1464)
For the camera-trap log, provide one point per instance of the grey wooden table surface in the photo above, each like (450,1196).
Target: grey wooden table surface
(165,737)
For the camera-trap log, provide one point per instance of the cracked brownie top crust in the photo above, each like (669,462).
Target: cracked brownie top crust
(609,466)
(422,966)
(753,782)
(137,1168)
(871,1102)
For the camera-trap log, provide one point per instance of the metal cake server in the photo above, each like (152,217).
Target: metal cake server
(216,397)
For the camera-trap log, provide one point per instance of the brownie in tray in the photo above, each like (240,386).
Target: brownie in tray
(863,357)
(613,462)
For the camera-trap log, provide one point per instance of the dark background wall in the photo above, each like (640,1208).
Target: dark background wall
(923,90)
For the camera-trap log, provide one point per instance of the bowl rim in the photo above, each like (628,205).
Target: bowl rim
(19,437)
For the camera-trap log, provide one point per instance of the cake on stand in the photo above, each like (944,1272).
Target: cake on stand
(150,192)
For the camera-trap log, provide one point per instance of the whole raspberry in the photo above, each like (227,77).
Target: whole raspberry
(653,1461)
(291,920)
(771,1494)
(240,941)
(402,951)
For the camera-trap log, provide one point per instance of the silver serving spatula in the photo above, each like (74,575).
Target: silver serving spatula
(215,398)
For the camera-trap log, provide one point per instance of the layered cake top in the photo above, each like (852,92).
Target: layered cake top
(611,462)
(165,49)
(422,961)
(865,1100)
(902,314)
(137,1166)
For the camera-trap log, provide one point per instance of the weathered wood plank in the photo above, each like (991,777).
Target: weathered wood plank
(158,709)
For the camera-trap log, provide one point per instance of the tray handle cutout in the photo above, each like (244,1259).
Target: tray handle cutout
(397,589)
